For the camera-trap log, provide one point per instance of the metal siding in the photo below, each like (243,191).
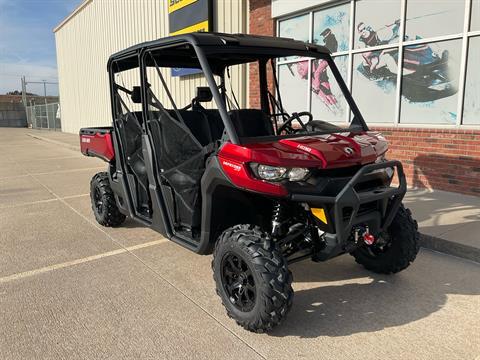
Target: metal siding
(103,27)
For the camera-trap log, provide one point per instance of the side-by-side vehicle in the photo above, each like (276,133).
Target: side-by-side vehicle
(260,188)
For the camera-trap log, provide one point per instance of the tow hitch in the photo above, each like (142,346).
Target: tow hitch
(364,234)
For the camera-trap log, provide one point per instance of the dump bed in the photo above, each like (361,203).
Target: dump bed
(97,141)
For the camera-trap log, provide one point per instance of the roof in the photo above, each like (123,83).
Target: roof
(224,49)
(72,15)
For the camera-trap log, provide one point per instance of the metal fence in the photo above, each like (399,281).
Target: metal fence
(45,116)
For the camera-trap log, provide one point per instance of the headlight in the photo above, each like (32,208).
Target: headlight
(272,173)
(388,170)
(297,174)
(277,173)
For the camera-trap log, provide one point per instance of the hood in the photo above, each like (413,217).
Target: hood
(322,151)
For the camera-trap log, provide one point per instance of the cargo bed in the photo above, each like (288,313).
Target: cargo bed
(97,142)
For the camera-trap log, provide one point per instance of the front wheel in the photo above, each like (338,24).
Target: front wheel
(395,249)
(252,278)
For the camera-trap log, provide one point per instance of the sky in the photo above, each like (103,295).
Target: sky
(27,42)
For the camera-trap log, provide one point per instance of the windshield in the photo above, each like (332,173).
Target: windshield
(301,96)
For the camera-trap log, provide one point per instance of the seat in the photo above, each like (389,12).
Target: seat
(197,123)
(215,122)
(251,123)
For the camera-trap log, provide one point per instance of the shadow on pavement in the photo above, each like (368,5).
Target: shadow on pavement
(364,302)
(131,224)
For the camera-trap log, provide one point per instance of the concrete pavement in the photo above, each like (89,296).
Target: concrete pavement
(72,289)
(448,222)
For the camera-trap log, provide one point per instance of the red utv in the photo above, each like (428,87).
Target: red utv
(260,188)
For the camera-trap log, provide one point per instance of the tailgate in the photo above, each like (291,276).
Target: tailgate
(97,141)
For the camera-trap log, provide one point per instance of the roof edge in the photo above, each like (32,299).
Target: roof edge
(72,15)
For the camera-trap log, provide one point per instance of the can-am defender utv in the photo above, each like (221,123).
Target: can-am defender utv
(260,188)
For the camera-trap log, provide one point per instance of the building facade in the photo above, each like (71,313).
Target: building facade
(410,64)
(99,28)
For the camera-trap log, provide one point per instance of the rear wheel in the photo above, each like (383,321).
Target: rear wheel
(103,201)
(395,249)
(252,278)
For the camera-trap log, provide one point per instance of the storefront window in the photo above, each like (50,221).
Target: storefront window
(328,102)
(430,83)
(376,23)
(331,28)
(475,17)
(295,28)
(374,84)
(430,69)
(429,18)
(471,107)
(293,83)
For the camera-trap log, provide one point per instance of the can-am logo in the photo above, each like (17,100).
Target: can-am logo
(349,151)
(304,148)
(233,166)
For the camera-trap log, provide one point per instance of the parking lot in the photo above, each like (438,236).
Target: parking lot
(72,289)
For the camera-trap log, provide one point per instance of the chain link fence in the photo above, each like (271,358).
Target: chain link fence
(45,116)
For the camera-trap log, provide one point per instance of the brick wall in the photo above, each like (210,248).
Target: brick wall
(437,158)
(432,158)
(261,23)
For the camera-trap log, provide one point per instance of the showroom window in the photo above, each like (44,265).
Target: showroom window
(407,62)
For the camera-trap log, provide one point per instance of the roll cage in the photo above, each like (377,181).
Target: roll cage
(213,53)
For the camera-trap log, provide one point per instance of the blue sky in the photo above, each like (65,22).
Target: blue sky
(27,43)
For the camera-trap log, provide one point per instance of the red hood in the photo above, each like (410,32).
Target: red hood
(324,151)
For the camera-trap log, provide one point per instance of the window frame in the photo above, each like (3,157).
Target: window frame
(464,36)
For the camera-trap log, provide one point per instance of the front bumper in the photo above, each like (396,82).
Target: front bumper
(347,208)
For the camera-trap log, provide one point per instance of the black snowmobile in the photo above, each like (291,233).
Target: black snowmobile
(430,79)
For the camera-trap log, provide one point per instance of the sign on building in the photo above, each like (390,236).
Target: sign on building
(189,16)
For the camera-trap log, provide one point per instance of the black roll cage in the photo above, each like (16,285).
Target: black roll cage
(213,53)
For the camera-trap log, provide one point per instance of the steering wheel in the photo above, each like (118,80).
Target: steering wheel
(287,125)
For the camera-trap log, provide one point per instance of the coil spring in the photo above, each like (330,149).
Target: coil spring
(277,218)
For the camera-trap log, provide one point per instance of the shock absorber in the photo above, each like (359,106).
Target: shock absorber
(277,218)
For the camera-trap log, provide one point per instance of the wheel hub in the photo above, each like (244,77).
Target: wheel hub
(238,282)
(97,198)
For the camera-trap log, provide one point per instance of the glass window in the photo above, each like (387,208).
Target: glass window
(429,18)
(430,83)
(471,107)
(331,28)
(295,28)
(328,102)
(375,83)
(475,16)
(376,23)
(293,84)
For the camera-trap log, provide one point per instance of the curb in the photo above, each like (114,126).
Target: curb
(450,248)
(69,146)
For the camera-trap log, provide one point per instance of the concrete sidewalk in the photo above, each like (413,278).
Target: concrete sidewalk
(448,222)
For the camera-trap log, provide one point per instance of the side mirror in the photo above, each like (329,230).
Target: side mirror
(136,95)
(204,94)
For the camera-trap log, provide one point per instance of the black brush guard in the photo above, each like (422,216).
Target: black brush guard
(349,198)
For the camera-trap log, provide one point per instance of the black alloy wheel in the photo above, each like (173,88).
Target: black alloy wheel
(238,282)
